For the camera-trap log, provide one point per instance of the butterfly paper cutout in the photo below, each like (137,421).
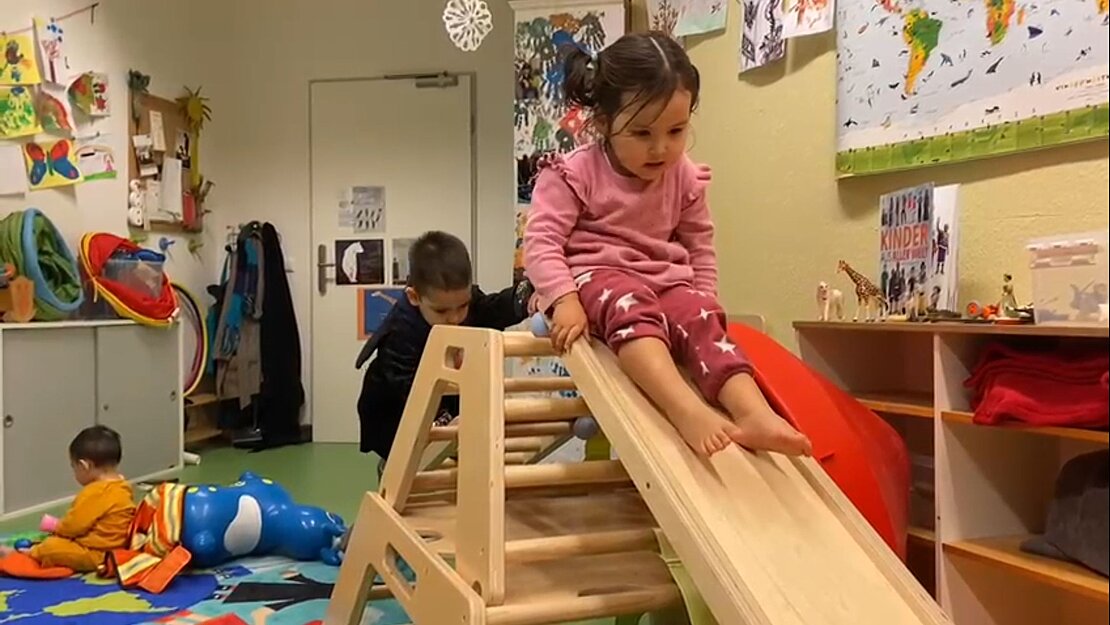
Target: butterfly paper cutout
(51,167)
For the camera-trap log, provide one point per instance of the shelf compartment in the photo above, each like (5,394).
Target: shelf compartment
(1078,434)
(1004,553)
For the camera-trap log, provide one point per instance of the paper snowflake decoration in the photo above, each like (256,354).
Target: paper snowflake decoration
(467,23)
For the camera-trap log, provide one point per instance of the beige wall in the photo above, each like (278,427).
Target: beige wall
(783,219)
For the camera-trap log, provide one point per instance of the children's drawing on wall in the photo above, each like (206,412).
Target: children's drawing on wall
(518,246)
(96,161)
(18,67)
(542,121)
(13,173)
(18,117)
(663,15)
(51,164)
(55,64)
(89,94)
(53,108)
(761,41)
(373,307)
(400,251)
(806,17)
(360,261)
(680,18)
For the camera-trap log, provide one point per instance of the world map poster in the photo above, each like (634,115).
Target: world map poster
(922,82)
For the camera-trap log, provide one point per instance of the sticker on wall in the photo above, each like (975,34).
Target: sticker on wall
(373,307)
(18,67)
(51,164)
(18,117)
(467,23)
(401,267)
(89,93)
(53,108)
(96,161)
(359,262)
(55,64)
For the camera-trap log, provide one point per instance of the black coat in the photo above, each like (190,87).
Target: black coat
(399,344)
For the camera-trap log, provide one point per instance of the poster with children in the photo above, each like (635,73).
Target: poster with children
(917,248)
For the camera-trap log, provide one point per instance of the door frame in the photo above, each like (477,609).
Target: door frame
(310,252)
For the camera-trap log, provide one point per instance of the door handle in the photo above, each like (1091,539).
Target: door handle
(322,266)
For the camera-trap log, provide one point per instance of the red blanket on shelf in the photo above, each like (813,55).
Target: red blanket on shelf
(1063,386)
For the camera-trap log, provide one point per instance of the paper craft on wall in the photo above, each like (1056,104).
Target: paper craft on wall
(360,261)
(96,161)
(373,307)
(806,17)
(467,23)
(51,164)
(89,94)
(52,105)
(18,67)
(936,81)
(401,248)
(542,120)
(55,64)
(761,40)
(18,117)
(13,174)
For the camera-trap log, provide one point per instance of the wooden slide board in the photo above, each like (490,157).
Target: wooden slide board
(768,540)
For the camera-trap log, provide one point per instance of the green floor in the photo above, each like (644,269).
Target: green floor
(331,476)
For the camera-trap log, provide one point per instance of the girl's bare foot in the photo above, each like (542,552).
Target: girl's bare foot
(704,430)
(762,429)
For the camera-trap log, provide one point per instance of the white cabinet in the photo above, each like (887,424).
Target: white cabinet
(59,378)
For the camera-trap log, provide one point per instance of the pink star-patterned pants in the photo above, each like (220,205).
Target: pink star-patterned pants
(622,308)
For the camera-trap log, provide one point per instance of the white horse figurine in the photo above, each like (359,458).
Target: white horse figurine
(829,300)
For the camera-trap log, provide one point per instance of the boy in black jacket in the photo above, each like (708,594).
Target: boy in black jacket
(439,292)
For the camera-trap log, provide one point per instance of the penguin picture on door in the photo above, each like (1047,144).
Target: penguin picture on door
(360,262)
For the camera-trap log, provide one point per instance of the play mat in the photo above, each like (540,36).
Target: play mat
(252,591)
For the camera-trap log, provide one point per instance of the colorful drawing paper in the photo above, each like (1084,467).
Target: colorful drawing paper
(55,64)
(18,117)
(18,67)
(53,108)
(89,94)
(51,164)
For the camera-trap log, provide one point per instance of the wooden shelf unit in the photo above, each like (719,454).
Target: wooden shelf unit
(991,484)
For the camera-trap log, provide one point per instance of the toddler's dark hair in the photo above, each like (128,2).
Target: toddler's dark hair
(98,445)
(438,260)
(648,66)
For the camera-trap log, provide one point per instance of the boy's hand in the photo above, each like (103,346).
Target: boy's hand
(568,322)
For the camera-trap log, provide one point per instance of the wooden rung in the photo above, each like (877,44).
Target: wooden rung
(533,475)
(557,547)
(527,443)
(519,430)
(524,344)
(539,385)
(644,599)
(519,457)
(542,409)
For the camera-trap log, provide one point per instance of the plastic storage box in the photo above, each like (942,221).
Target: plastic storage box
(1070,278)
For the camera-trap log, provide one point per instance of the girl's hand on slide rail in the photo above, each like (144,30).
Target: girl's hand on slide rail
(568,322)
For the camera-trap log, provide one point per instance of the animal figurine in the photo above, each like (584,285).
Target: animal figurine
(256,516)
(868,296)
(1086,302)
(829,299)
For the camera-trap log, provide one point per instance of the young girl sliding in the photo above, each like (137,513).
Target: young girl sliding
(619,243)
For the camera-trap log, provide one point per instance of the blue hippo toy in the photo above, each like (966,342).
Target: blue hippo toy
(256,516)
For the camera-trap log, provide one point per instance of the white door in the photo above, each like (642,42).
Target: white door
(402,139)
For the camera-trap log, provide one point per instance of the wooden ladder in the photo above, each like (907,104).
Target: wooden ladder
(492,542)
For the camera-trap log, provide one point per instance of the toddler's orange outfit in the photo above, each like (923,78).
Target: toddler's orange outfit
(98,521)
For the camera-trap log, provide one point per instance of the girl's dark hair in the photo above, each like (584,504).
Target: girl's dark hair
(648,66)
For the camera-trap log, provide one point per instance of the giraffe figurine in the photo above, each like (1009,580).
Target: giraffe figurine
(867,294)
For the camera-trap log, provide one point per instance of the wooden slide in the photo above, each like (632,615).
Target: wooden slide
(766,540)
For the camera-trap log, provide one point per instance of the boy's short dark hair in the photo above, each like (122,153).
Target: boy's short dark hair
(99,445)
(438,260)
